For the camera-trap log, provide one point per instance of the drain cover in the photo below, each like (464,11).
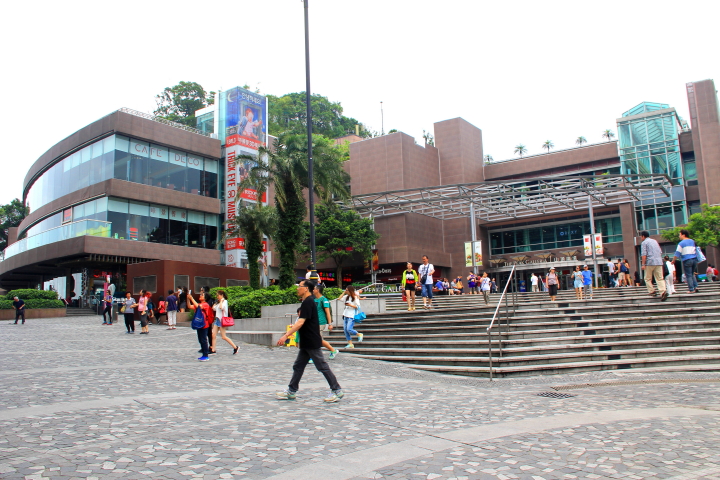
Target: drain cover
(555,395)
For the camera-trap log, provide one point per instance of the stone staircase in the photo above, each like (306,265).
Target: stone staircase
(621,328)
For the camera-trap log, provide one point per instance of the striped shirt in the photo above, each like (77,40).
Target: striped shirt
(686,249)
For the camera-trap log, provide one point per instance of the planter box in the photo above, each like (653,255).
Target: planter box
(7,314)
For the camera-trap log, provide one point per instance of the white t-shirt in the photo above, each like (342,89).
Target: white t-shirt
(611,267)
(350,311)
(425,270)
(534,280)
(221,309)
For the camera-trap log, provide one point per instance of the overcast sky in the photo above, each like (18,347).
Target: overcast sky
(522,71)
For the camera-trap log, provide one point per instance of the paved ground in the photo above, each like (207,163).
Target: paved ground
(81,400)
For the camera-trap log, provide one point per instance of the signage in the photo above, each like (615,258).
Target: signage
(587,245)
(245,132)
(478,253)
(473,249)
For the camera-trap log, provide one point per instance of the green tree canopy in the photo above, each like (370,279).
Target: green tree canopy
(10,216)
(179,103)
(704,227)
(286,168)
(288,114)
(340,233)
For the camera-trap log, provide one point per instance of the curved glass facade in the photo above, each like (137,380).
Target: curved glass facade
(128,220)
(128,159)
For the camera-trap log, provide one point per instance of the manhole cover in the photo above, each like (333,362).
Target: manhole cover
(555,395)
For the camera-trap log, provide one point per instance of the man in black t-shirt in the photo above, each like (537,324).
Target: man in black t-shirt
(19,307)
(308,328)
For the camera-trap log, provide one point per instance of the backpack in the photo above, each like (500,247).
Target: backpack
(623,268)
(198,321)
(666,271)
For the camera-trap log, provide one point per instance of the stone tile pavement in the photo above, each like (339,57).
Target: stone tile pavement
(82,400)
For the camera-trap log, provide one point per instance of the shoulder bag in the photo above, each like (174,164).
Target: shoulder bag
(699,254)
(359,315)
(198,321)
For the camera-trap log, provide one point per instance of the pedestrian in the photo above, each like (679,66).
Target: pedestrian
(142,308)
(587,283)
(212,331)
(162,310)
(308,328)
(108,299)
(446,286)
(19,307)
(352,304)
(687,253)
(669,271)
(472,283)
(709,272)
(485,287)
(624,267)
(409,283)
(651,255)
(171,310)
(578,282)
(426,272)
(459,288)
(324,318)
(221,311)
(129,312)
(534,282)
(493,286)
(202,333)
(182,298)
(611,273)
(638,281)
(552,284)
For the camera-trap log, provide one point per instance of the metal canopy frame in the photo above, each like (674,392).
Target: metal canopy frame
(495,201)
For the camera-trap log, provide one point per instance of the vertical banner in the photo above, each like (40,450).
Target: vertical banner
(587,245)
(468,254)
(245,132)
(478,253)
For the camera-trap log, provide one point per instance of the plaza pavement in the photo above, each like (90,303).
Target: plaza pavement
(82,400)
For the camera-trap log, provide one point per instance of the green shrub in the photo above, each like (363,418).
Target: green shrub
(333,292)
(28,293)
(34,303)
(249,305)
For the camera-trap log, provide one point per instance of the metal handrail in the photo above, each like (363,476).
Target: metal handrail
(507,317)
(155,118)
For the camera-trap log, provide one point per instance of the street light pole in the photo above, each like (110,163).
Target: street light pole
(382,120)
(592,240)
(311,184)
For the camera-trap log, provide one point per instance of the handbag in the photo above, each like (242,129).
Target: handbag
(404,297)
(699,254)
(198,321)
(227,322)
(122,309)
(359,315)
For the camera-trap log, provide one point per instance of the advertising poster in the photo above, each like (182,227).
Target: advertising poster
(587,245)
(468,254)
(478,253)
(245,120)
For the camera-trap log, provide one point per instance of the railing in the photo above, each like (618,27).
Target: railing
(166,122)
(514,292)
(95,228)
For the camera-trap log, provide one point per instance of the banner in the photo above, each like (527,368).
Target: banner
(245,124)
(468,254)
(587,245)
(473,249)
(478,253)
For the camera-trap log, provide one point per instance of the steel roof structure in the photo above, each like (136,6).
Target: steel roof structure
(494,201)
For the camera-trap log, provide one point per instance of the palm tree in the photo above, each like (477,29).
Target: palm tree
(521,150)
(253,222)
(548,145)
(608,134)
(580,140)
(286,168)
(488,158)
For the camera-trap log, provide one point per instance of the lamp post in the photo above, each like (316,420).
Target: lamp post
(382,120)
(311,184)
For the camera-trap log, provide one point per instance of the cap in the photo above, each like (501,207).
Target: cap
(552,268)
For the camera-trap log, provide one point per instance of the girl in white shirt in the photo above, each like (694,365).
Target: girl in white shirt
(352,306)
(221,310)
(670,278)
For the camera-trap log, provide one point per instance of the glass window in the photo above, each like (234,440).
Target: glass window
(137,208)
(139,160)
(211,178)
(650,220)
(664,217)
(158,166)
(176,171)
(658,164)
(117,205)
(177,227)
(194,174)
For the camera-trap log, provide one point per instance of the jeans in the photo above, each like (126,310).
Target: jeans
(587,290)
(689,267)
(427,290)
(130,321)
(348,324)
(303,356)
(108,310)
(202,334)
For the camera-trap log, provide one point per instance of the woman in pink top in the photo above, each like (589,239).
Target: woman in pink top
(142,308)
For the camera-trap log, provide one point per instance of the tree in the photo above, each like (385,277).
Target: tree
(392,130)
(488,159)
(339,233)
(286,168)
(429,139)
(704,227)
(179,103)
(608,134)
(252,222)
(521,150)
(10,216)
(288,114)
(548,145)
(580,140)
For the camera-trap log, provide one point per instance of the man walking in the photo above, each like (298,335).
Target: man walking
(19,307)
(652,264)
(534,282)
(172,307)
(426,271)
(687,252)
(308,327)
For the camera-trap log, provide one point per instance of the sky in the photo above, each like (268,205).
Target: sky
(521,71)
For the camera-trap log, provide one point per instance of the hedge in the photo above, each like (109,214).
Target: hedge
(33,303)
(30,293)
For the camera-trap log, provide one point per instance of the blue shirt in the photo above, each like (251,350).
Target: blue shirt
(686,249)
(171,303)
(587,277)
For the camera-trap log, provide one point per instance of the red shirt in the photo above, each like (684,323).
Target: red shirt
(208,312)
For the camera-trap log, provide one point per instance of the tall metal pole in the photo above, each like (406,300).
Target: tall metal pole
(382,120)
(311,184)
(592,240)
(472,237)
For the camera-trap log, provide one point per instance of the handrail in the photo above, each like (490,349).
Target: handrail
(159,119)
(511,277)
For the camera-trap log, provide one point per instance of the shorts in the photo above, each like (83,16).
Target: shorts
(323,328)
(143,319)
(217,322)
(552,289)
(182,306)
(621,275)
(409,287)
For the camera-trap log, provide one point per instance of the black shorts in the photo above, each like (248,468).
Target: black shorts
(552,289)
(410,287)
